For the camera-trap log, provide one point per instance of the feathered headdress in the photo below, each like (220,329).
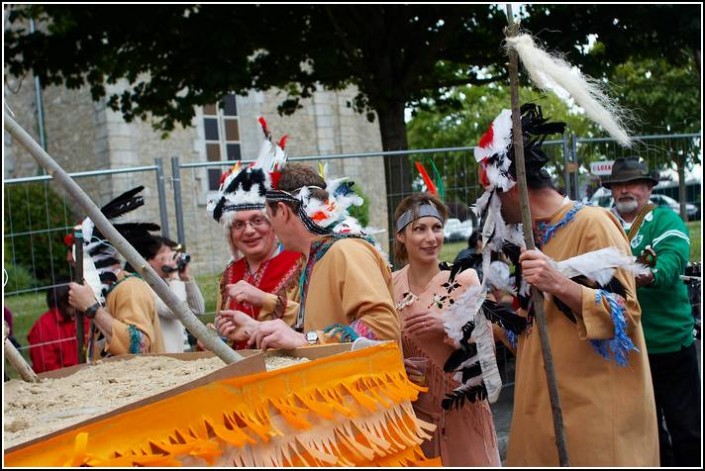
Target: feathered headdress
(322,217)
(100,258)
(243,188)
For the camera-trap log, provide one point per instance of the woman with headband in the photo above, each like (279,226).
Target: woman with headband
(464,435)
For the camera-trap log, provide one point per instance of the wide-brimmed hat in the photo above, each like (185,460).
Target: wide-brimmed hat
(628,169)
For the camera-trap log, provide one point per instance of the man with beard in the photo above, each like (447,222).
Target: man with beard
(659,238)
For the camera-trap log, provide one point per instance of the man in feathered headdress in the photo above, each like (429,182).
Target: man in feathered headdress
(593,317)
(254,281)
(344,291)
(119,304)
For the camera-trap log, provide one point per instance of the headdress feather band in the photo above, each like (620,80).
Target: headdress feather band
(424,210)
(244,188)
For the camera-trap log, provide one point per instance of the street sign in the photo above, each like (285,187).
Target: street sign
(603,167)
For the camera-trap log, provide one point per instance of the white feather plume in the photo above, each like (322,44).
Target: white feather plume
(599,265)
(461,312)
(498,277)
(547,71)
(484,340)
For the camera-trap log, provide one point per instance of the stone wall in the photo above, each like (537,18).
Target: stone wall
(83,135)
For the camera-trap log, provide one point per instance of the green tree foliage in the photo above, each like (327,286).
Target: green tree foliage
(663,96)
(178,56)
(671,32)
(429,128)
(362,212)
(34,227)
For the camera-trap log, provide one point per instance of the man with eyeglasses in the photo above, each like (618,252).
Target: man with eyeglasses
(253,283)
(344,289)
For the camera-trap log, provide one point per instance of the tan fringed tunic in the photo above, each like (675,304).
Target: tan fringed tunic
(136,326)
(463,437)
(608,410)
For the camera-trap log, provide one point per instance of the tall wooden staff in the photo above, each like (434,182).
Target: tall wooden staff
(78,278)
(527,223)
(190,321)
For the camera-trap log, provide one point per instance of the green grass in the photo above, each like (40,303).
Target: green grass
(695,241)
(451,249)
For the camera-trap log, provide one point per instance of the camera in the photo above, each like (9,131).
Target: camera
(182,259)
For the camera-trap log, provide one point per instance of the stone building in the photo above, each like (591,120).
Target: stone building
(83,135)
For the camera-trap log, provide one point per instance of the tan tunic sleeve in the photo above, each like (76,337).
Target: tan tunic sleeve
(272,307)
(132,306)
(595,321)
(362,282)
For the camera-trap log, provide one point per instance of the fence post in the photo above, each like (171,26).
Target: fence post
(574,157)
(161,192)
(176,179)
(566,160)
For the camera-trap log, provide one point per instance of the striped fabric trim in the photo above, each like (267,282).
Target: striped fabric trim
(671,233)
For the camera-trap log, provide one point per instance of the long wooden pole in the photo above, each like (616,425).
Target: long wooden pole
(15,357)
(527,223)
(78,278)
(180,309)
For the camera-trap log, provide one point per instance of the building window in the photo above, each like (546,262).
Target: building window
(221,127)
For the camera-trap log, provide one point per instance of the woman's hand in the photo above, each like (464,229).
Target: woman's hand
(423,323)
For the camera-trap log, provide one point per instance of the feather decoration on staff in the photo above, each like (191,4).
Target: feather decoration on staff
(546,71)
(430,187)
(473,362)
(596,270)
(463,326)
(99,256)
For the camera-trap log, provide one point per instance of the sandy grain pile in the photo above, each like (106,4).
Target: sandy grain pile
(35,409)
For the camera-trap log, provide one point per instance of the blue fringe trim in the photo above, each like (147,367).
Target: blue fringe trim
(512,338)
(546,231)
(135,339)
(618,347)
(347,334)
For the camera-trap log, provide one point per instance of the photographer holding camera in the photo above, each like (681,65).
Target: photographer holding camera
(172,264)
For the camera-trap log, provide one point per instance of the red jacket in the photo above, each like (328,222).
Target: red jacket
(52,341)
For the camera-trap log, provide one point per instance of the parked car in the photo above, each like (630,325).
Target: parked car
(662,200)
(603,197)
(456,230)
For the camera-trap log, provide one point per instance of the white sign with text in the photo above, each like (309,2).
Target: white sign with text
(603,167)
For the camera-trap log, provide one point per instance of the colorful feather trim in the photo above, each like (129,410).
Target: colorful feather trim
(350,409)
(430,186)
(618,347)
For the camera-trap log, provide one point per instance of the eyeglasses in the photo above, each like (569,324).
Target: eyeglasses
(256,223)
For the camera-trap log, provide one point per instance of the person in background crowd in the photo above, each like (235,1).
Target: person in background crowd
(473,250)
(52,338)
(174,270)
(659,238)
(464,436)
(120,304)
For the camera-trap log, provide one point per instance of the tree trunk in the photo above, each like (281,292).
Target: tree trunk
(398,169)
